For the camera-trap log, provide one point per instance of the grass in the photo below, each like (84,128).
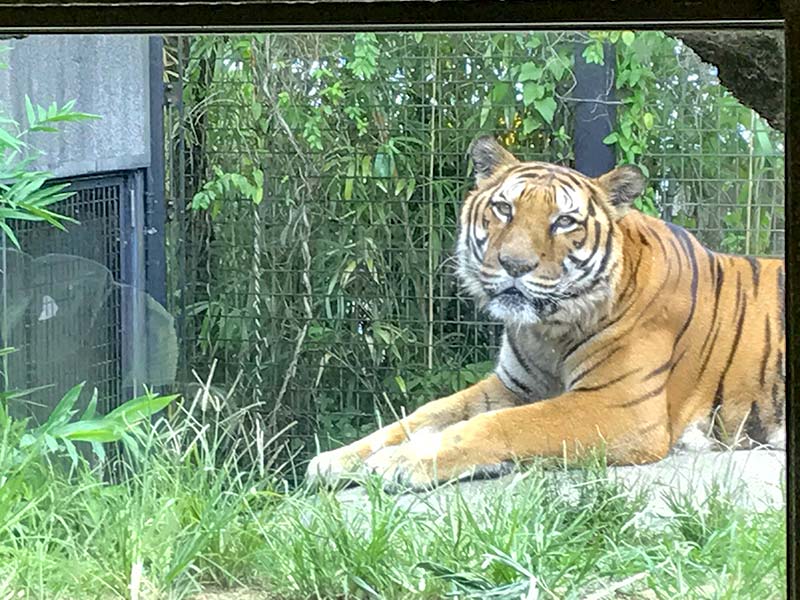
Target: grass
(186,517)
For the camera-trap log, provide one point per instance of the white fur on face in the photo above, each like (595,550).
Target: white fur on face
(511,189)
(569,199)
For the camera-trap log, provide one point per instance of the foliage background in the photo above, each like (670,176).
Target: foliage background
(315,182)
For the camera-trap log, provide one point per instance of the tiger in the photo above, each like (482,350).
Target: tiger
(621,333)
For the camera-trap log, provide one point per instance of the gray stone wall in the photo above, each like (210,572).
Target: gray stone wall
(106,75)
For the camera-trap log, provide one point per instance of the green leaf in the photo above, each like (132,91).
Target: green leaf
(556,67)
(257,109)
(9,140)
(140,408)
(530,72)
(381,165)
(97,430)
(12,238)
(91,408)
(625,126)
(763,143)
(30,112)
(44,129)
(628,37)
(99,451)
(611,138)
(63,409)
(73,454)
(485,110)
(349,181)
(500,91)
(593,53)
(648,119)
(529,124)
(547,108)
(531,92)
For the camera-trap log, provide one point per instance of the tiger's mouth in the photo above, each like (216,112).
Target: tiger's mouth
(511,292)
(512,298)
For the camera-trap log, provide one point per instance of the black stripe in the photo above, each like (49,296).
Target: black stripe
(767,351)
(588,370)
(648,428)
(579,243)
(607,383)
(713,338)
(526,391)
(604,261)
(608,248)
(678,253)
(712,263)
(737,336)
(719,279)
(473,224)
(657,295)
(574,181)
(657,237)
(667,366)
(756,269)
(686,242)
(644,397)
(526,366)
(777,402)
(632,279)
(753,428)
(582,263)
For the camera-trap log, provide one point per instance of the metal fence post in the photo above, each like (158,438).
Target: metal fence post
(155,210)
(595,112)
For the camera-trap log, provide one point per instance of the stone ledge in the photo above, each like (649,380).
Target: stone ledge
(754,479)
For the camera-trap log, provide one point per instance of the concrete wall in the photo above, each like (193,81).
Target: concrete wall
(106,75)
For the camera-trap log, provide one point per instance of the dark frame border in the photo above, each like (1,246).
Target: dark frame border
(149,16)
(334,15)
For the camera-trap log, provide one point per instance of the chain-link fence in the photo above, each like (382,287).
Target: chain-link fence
(315,181)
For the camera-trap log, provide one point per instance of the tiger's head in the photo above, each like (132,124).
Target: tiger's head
(539,242)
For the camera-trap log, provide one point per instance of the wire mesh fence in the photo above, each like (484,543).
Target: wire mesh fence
(315,182)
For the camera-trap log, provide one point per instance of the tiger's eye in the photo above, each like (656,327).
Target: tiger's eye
(564,221)
(503,209)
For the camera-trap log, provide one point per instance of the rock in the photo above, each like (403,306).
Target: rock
(754,479)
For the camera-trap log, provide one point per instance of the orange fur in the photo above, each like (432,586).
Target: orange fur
(621,331)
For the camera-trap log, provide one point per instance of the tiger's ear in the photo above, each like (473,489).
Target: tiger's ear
(488,156)
(623,185)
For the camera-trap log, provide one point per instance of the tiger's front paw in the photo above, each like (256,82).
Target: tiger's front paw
(334,466)
(407,467)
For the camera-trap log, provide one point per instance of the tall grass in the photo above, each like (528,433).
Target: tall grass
(183,515)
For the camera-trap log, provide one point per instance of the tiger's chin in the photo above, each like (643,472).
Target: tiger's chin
(519,309)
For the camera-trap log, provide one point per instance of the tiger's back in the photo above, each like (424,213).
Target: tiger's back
(718,341)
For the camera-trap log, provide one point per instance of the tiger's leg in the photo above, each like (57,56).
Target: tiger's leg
(489,394)
(570,423)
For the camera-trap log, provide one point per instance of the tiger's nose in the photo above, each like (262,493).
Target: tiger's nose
(515,266)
